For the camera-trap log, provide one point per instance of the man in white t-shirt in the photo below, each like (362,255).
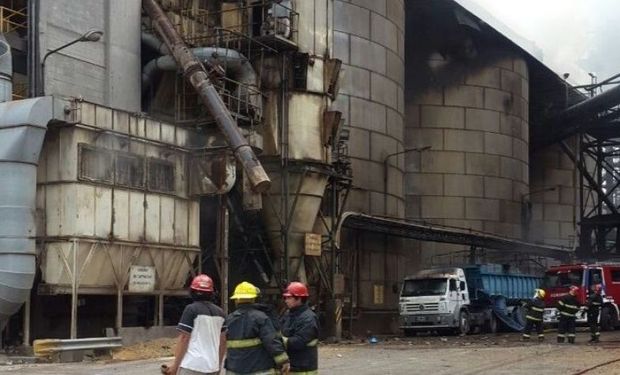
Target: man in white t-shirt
(202,338)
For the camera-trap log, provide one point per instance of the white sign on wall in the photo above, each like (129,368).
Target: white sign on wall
(141,279)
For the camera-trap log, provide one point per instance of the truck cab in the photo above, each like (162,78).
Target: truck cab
(435,299)
(559,279)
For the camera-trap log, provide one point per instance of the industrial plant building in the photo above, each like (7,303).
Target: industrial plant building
(343,143)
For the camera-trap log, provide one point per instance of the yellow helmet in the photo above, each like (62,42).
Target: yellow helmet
(540,293)
(245,290)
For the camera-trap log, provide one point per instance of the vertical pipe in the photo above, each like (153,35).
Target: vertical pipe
(26,327)
(284,167)
(160,310)
(222,247)
(73,333)
(119,309)
(195,73)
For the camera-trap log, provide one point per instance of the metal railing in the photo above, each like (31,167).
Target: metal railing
(11,19)
(47,347)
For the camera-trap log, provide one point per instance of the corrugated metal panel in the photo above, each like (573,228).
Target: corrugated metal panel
(103,211)
(153,129)
(305,119)
(180,222)
(121,214)
(136,216)
(320,26)
(194,224)
(167,134)
(85,213)
(153,217)
(167,220)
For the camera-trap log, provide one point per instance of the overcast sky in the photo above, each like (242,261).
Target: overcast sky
(575,36)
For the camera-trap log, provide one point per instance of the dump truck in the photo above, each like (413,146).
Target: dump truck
(464,299)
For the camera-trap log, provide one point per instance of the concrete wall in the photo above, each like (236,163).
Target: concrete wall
(368,36)
(105,72)
(476,171)
(553,212)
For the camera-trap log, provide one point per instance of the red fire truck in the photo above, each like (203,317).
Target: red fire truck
(558,280)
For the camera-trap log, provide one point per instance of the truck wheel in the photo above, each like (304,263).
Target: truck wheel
(490,325)
(609,319)
(464,326)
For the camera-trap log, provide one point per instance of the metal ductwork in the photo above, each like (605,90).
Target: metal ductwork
(592,106)
(22,129)
(195,73)
(237,66)
(6,71)
(154,43)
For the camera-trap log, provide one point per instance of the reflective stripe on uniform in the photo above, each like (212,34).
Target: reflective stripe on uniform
(313,372)
(526,335)
(597,333)
(537,309)
(571,335)
(532,318)
(243,344)
(314,342)
(280,358)
(596,303)
(561,335)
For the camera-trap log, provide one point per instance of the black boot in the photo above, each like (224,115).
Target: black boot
(560,339)
(571,339)
(525,337)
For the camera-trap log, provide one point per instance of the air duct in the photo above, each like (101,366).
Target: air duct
(237,66)
(22,129)
(6,71)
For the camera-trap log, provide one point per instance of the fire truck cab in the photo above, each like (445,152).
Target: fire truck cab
(558,280)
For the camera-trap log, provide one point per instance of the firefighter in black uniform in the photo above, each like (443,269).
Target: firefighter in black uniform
(568,307)
(252,342)
(300,330)
(593,307)
(534,317)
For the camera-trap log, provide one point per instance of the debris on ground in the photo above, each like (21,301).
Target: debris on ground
(158,348)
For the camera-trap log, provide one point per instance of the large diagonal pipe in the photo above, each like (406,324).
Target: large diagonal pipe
(592,106)
(195,73)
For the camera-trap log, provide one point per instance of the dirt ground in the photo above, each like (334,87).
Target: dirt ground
(475,354)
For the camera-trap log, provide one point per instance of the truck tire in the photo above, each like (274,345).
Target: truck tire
(609,318)
(491,325)
(464,323)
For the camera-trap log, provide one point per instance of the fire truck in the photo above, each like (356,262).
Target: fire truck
(558,280)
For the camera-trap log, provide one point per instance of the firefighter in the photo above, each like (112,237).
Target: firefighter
(568,307)
(253,344)
(593,307)
(534,317)
(300,330)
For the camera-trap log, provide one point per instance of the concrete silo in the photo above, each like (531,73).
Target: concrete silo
(369,39)
(469,104)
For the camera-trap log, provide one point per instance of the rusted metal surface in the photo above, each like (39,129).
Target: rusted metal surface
(195,73)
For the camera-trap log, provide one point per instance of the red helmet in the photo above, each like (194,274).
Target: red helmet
(573,289)
(295,289)
(202,283)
